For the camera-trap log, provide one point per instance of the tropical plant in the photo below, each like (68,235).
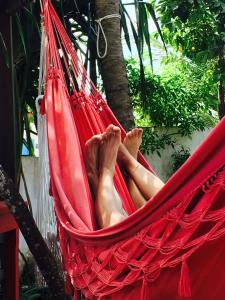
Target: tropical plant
(183,96)
(197,30)
(179,157)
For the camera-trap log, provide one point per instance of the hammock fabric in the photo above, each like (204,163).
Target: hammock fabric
(171,248)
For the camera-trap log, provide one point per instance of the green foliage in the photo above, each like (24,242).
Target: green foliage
(154,141)
(180,97)
(26,35)
(35,293)
(28,287)
(179,157)
(140,29)
(4,50)
(196,29)
(188,26)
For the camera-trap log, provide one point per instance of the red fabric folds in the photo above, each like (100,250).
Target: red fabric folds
(173,246)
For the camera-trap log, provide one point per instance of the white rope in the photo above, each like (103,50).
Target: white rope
(45,210)
(45,216)
(41,5)
(45,213)
(42,63)
(101,30)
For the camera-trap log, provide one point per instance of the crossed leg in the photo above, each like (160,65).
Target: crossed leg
(108,147)
(147,183)
(132,142)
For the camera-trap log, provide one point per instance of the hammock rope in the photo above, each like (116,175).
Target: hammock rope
(45,214)
(172,247)
(45,217)
(101,31)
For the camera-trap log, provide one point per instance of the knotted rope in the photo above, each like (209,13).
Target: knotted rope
(101,30)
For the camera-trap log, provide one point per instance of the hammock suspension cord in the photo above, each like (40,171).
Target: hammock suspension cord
(101,30)
(45,215)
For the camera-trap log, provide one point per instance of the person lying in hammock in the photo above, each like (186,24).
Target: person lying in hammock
(102,153)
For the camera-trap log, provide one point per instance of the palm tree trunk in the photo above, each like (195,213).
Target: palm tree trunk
(44,259)
(112,66)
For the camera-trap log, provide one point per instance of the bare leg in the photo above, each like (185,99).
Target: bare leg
(108,211)
(147,183)
(91,161)
(132,142)
(92,165)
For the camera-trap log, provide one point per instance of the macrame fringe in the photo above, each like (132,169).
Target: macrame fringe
(184,289)
(76,295)
(68,286)
(145,290)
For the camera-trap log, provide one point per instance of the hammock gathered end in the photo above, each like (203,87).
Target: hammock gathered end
(171,248)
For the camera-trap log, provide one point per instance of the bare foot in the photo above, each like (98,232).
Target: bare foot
(108,206)
(133,141)
(91,161)
(109,146)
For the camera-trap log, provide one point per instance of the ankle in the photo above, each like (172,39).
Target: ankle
(104,171)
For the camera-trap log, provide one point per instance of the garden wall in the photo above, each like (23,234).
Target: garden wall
(163,165)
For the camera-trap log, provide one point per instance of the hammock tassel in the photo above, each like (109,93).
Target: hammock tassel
(68,285)
(76,295)
(145,290)
(184,289)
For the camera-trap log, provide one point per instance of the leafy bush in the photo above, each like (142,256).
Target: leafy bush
(153,140)
(179,157)
(182,96)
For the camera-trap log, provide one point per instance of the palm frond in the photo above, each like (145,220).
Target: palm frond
(4,50)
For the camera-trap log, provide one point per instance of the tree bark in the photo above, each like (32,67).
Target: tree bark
(221,103)
(112,66)
(44,259)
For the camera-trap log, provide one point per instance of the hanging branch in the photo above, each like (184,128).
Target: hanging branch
(44,259)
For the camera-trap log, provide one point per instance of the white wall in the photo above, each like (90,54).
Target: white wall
(163,165)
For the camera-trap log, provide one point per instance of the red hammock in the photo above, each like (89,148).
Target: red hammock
(173,246)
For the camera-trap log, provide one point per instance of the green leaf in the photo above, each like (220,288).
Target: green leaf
(33,19)
(4,50)
(21,34)
(142,73)
(124,27)
(140,24)
(28,135)
(32,291)
(159,154)
(35,297)
(147,35)
(153,15)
